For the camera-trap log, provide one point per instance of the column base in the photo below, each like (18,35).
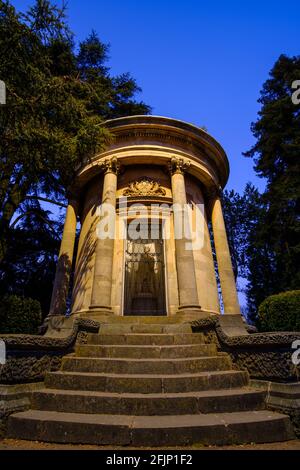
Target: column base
(101,309)
(192,312)
(189,308)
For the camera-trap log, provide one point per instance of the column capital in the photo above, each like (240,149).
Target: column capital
(214,192)
(110,165)
(74,202)
(73,195)
(178,165)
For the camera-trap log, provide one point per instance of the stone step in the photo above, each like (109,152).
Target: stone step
(102,429)
(146,366)
(148,351)
(124,328)
(147,338)
(145,319)
(214,401)
(146,383)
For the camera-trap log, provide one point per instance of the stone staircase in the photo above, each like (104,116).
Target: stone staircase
(148,382)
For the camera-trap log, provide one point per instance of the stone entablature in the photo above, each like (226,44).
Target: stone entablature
(153,139)
(158,130)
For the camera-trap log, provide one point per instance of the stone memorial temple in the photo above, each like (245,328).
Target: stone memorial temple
(153,164)
(145,344)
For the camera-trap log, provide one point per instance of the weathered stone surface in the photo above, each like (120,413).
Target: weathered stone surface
(142,351)
(182,392)
(146,366)
(146,339)
(155,328)
(223,428)
(14,398)
(263,355)
(49,343)
(29,368)
(272,365)
(282,397)
(29,357)
(214,401)
(144,320)
(206,381)
(147,383)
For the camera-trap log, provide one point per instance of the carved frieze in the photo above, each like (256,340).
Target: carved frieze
(144,187)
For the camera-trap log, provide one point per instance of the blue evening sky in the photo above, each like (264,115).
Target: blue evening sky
(199,61)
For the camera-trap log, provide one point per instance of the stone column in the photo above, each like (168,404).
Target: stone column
(187,286)
(227,280)
(102,281)
(204,262)
(64,264)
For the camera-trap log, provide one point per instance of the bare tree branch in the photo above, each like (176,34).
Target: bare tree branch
(45,199)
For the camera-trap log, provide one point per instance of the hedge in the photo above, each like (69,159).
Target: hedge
(280,312)
(19,315)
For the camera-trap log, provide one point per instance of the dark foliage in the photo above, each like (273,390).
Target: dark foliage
(264,228)
(280,312)
(57,100)
(19,315)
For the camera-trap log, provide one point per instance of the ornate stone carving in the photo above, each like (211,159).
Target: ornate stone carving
(178,165)
(144,187)
(30,357)
(110,165)
(266,356)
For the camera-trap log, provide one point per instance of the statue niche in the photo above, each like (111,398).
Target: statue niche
(144,299)
(144,278)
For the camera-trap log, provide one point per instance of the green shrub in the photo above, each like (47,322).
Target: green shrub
(280,312)
(19,315)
